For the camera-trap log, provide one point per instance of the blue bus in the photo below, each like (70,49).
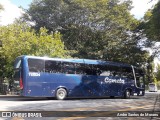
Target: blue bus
(61,78)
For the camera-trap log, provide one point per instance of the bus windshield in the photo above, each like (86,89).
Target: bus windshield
(17,63)
(18,73)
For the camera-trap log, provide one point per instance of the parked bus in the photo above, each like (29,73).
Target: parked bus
(61,78)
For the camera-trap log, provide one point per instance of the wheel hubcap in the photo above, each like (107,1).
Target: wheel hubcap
(61,94)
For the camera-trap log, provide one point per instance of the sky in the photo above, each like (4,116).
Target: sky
(141,6)
(13,11)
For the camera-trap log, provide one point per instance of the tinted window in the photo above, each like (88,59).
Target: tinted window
(106,70)
(88,69)
(127,72)
(103,70)
(52,66)
(36,65)
(114,71)
(68,68)
(17,63)
(79,68)
(139,77)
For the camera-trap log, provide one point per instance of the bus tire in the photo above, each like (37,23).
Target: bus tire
(61,94)
(127,94)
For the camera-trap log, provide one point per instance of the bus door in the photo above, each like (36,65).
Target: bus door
(18,81)
(139,81)
(128,76)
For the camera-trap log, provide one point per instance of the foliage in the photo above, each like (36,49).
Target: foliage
(151,24)
(100,29)
(157,74)
(55,14)
(20,39)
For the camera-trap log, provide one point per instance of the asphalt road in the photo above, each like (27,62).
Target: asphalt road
(138,107)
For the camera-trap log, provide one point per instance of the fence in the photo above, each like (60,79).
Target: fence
(3,89)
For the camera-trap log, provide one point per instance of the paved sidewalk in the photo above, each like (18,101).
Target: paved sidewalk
(156,109)
(6,96)
(157,103)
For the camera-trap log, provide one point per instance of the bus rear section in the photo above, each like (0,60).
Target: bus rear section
(18,76)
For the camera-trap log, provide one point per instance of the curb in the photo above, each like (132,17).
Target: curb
(7,96)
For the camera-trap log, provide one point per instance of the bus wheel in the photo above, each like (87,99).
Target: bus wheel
(127,94)
(61,94)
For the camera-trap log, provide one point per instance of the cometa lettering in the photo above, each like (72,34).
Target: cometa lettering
(108,80)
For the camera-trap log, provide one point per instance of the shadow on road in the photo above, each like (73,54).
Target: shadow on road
(20,98)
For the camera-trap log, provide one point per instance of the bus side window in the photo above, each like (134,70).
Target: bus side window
(114,71)
(88,69)
(52,66)
(95,70)
(127,72)
(36,65)
(104,70)
(68,68)
(80,67)
(101,70)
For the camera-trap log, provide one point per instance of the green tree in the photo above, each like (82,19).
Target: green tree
(158,73)
(151,24)
(20,39)
(2,61)
(151,27)
(55,14)
(100,29)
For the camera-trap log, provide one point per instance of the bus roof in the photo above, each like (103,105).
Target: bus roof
(86,61)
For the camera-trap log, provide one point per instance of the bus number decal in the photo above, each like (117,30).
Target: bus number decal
(108,80)
(34,74)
